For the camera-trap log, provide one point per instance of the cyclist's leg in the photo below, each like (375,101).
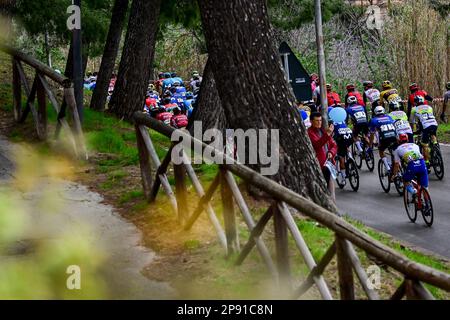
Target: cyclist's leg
(408,176)
(381,149)
(357,139)
(425,144)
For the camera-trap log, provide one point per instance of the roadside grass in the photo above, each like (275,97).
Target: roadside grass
(443,132)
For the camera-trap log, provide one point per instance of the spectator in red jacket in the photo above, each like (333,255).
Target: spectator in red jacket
(332,96)
(416,91)
(324,146)
(351,91)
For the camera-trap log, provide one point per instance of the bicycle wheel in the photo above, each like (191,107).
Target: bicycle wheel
(383,174)
(410,205)
(358,158)
(437,162)
(370,160)
(427,208)
(353,175)
(398,182)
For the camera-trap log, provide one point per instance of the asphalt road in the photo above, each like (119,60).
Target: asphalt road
(386,212)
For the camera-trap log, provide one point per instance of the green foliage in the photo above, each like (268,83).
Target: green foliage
(39,17)
(291,14)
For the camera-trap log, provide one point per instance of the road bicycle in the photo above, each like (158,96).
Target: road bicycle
(366,155)
(420,201)
(384,173)
(351,172)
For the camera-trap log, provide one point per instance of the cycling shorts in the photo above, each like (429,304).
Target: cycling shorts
(427,133)
(343,145)
(360,128)
(417,169)
(386,143)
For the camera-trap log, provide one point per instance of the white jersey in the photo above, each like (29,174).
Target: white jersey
(401,123)
(424,114)
(407,152)
(372,94)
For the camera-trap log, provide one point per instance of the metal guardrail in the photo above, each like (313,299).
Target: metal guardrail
(41,90)
(346,234)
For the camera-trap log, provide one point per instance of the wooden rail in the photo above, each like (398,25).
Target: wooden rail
(41,90)
(346,234)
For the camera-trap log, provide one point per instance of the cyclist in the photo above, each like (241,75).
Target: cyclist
(401,122)
(358,116)
(174,77)
(343,136)
(389,94)
(332,97)
(351,91)
(167,82)
(178,120)
(416,91)
(408,155)
(384,125)
(163,115)
(188,107)
(371,94)
(426,123)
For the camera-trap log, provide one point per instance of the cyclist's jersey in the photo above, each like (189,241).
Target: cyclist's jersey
(407,152)
(342,132)
(401,123)
(166,83)
(179,121)
(425,116)
(164,117)
(421,93)
(357,113)
(372,95)
(390,95)
(384,125)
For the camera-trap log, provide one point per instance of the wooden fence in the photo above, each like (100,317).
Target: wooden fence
(346,235)
(41,90)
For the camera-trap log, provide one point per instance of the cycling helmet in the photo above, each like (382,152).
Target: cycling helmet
(350,87)
(368,84)
(173,74)
(352,100)
(189,95)
(329,86)
(176,110)
(195,73)
(176,83)
(448,86)
(160,75)
(419,100)
(402,138)
(387,85)
(413,87)
(167,75)
(394,105)
(379,111)
(166,101)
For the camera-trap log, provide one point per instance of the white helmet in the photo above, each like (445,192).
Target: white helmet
(379,111)
(352,100)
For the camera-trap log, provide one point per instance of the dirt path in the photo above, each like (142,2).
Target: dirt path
(107,231)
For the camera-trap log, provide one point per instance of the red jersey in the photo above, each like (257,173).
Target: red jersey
(422,93)
(164,117)
(333,98)
(179,121)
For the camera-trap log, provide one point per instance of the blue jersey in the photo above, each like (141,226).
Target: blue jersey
(357,113)
(341,131)
(384,125)
(166,83)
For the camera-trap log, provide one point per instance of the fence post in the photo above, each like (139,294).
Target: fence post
(282,250)
(346,285)
(42,109)
(144,162)
(229,216)
(17,91)
(181,192)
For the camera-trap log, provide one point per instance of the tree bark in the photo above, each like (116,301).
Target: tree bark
(135,65)
(208,107)
(254,92)
(109,55)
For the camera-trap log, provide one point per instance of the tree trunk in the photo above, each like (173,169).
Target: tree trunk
(254,92)
(208,107)
(109,55)
(135,65)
